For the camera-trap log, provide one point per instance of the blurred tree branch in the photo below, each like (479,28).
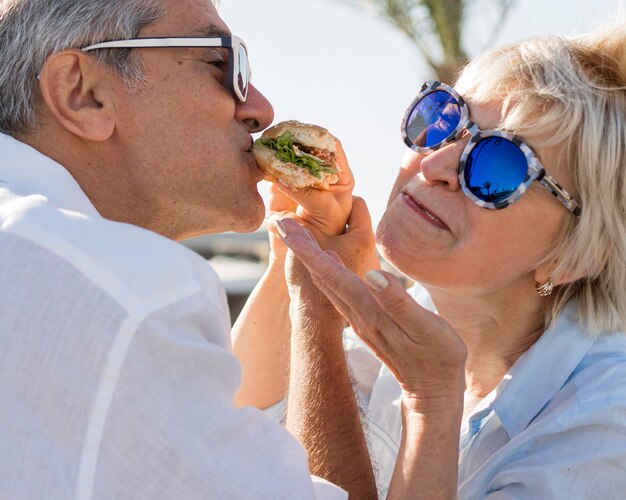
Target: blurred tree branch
(436,28)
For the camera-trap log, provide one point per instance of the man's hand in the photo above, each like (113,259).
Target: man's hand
(326,422)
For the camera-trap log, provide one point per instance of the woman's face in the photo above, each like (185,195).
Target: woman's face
(436,235)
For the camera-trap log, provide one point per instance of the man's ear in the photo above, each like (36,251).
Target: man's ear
(78,95)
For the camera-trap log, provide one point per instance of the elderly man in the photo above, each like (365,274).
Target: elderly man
(126,125)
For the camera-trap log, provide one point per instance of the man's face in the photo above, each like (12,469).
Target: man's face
(185,138)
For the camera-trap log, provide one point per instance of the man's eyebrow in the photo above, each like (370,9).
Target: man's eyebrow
(211,32)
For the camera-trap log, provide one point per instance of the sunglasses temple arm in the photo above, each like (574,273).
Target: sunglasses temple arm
(570,203)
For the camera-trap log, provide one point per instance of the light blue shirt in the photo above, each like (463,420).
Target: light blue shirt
(554,428)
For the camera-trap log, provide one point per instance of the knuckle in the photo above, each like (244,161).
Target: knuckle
(328,276)
(396,301)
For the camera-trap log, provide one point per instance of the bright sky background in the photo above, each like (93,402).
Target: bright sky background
(333,63)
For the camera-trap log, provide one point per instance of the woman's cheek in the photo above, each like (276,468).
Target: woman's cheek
(411,162)
(404,176)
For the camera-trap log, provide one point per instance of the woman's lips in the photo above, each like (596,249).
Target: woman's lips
(423,212)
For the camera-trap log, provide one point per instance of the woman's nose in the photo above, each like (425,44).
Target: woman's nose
(441,167)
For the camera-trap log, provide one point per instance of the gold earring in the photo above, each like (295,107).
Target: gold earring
(544,289)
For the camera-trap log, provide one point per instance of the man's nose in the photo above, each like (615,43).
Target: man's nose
(256,113)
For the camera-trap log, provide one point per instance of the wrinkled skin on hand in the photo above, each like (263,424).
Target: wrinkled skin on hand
(421,349)
(336,219)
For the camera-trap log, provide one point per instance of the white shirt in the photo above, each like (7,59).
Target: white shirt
(554,428)
(116,375)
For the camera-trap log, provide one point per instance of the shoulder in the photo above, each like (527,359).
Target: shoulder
(132,265)
(592,398)
(576,446)
(600,378)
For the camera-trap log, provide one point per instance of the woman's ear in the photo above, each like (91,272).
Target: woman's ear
(545,272)
(78,95)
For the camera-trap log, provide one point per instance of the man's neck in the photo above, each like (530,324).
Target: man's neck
(101,172)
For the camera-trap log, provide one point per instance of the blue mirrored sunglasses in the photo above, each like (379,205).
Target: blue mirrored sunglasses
(496,167)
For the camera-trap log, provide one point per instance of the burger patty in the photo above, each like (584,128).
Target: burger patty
(326,156)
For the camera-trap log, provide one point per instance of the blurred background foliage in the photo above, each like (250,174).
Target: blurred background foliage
(436,27)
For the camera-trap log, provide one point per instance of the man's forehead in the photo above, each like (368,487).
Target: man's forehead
(188,18)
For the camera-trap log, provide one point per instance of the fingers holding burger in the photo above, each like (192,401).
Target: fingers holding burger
(298,155)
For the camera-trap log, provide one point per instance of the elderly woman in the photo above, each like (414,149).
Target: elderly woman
(503,371)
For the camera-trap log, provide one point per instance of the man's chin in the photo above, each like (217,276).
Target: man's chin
(251,228)
(250,222)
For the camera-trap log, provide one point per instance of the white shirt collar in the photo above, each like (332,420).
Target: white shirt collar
(28,171)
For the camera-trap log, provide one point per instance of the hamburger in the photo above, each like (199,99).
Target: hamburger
(298,155)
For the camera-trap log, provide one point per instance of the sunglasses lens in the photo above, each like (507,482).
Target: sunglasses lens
(494,169)
(433,119)
(243,71)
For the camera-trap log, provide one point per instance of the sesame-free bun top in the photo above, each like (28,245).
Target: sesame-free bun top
(303,133)
(291,174)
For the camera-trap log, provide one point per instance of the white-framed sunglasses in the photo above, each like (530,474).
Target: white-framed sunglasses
(239,73)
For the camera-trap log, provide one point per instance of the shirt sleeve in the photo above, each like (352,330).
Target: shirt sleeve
(363,364)
(277,412)
(325,490)
(172,430)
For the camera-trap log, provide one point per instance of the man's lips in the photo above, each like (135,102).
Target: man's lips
(259,175)
(423,211)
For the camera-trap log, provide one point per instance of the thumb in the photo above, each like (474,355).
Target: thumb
(298,196)
(360,219)
(270,221)
(279,201)
(335,256)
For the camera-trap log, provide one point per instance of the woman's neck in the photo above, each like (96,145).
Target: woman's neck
(497,329)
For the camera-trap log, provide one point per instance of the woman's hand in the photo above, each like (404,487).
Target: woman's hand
(422,350)
(261,334)
(356,246)
(279,205)
(325,213)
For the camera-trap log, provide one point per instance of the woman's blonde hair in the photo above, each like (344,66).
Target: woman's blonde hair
(572,91)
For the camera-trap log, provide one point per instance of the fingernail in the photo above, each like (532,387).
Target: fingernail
(376,280)
(271,218)
(307,234)
(280,226)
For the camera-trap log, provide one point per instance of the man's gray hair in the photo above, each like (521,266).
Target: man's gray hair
(32,30)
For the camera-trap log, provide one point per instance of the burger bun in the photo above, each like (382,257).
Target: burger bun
(290,174)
